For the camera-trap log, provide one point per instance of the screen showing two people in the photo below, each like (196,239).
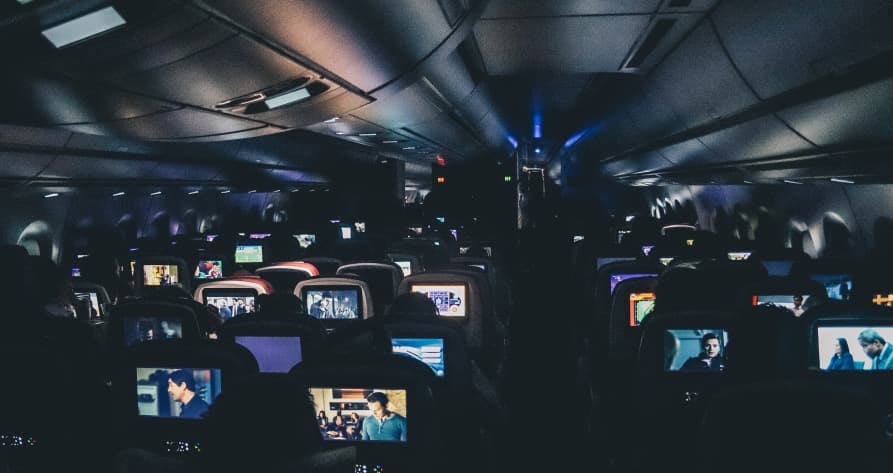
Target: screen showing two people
(185,393)
(161,275)
(332,304)
(144,329)
(855,348)
(359,414)
(695,350)
(209,269)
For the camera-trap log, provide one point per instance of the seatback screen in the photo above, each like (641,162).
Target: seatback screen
(361,414)
(855,348)
(618,278)
(427,350)
(161,275)
(209,269)
(695,350)
(792,302)
(144,329)
(340,303)
(405,266)
(305,239)
(249,254)
(837,286)
(273,354)
(449,298)
(92,299)
(184,393)
(231,302)
(640,305)
(738,255)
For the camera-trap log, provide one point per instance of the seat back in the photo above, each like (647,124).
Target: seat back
(277,343)
(137,321)
(336,301)
(383,280)
(408,263)
(93,297)
(326,266)
(232,296)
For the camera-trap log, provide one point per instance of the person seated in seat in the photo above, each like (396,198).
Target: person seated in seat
(181,387)
(880,352)
(337,428)
(710,358)
(842,359)
(383,425)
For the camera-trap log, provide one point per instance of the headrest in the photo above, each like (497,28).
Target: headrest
(49,279)
(409,264)
(452,284)
(364,302)
(290,266)
(326,266)
(795,426)
(198,353)
(379,272)
(696,285)
(413,307)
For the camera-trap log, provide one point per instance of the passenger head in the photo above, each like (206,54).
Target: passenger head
(278,407)
(280,304)
(413,306)
(872,342)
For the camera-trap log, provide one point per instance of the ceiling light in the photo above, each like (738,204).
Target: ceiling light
(409,147)
(747,182)
(368,134)
(340,133)
(225,192)
(792,182)
(252,191)
(50,196)
(118,194)
(278,190)
(389,142)
(193,193)
(842,181)
(332,120)
(287,98)
(296,190)
(84,27)
(155,193)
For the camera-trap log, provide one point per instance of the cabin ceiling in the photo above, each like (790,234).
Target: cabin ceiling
(644,91)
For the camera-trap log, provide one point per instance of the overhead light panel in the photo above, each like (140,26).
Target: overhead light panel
(842,181)
(287,98)
(50,196)
(278,190)
(252,191)
(193,193)
(340,133)
(747,182)
(84,27)
(155,193)
(792,182)
(332,120)
(118,194)
(409,147)
(368,134)
(389,142)
(225,192)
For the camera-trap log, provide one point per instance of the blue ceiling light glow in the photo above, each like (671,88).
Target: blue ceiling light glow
(574,138)
(512,141)
(537,150)
(537,126)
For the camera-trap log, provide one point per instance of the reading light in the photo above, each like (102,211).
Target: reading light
(389,142)
(252,191)
(225,192)
(368,134)
(84,27)
(537,150)
(792,182)
(296,190)
(747,182)
(842,181)
(193,193)
(155,193)
(409,147)
(50,196)
(287,98)
(118,194)
(278,190)
(332,120)
(441,179)
(340,133)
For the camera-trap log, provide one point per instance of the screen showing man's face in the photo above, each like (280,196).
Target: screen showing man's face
(711,347)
